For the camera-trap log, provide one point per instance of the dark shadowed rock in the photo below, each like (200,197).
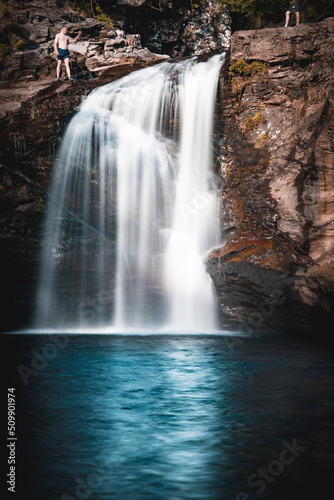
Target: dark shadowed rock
(204,29)
(131,3)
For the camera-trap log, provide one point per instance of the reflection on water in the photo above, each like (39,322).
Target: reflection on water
(173,417)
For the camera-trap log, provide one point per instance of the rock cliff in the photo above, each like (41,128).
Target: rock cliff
(273,143)
(276,267)
(196,28)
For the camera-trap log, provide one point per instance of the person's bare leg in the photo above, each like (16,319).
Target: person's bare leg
(58,68)
(297,18)
(287,18)
(67,65)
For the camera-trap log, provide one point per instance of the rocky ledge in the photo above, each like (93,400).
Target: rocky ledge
(275,270)
(134,37)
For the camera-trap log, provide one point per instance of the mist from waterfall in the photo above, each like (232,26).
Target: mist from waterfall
(133,207)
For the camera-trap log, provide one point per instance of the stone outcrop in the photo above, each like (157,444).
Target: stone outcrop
(99,48)
(273,142)
(132,38)
(132,3)
(276,268)
(183,32)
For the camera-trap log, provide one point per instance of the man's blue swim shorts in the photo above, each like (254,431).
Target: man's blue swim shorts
(63,54)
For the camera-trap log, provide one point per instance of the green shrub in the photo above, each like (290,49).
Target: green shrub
(258,67)
(104,18)
(4,12)
(261,13)
(4,50)
(83,6)
(253,122)
(87,9)
(240,67)
(16,43)
(238,85)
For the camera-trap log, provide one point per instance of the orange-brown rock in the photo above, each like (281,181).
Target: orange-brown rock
(278,170)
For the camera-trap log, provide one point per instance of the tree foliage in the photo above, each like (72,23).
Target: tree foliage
(245,13)
(261,13)
(10,40)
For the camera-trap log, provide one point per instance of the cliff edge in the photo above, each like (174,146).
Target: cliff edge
(275,270)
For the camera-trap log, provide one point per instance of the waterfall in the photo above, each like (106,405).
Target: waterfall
(133,207)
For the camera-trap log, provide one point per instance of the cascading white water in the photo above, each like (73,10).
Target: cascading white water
(133,206)
(194,227)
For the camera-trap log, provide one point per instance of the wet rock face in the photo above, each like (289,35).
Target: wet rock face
(276,269)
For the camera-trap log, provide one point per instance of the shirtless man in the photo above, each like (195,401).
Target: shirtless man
(61,50)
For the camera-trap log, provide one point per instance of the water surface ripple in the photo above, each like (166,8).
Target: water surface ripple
(173,417)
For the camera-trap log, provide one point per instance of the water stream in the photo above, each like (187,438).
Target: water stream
(134,168)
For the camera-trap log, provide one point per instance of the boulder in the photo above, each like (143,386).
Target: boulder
(205,29)
(282,45)
(131,3)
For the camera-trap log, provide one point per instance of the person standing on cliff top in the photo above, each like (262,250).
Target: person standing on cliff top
(294,7)
(61,50)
